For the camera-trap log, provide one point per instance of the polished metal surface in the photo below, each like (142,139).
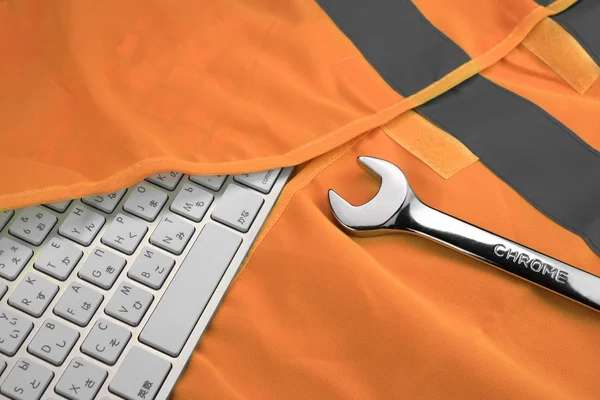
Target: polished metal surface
(396,208)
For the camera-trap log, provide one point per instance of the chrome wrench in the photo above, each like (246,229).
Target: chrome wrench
(396,208)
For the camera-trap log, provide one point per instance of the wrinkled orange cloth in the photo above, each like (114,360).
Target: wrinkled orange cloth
(95,97)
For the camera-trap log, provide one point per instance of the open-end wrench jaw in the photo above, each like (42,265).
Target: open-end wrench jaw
(383,212)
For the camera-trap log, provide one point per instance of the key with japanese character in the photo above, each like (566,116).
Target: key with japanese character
(102,268)
(5,216)
(129,304)
(145,201)
(59,206)
(13,258)
(14,328)
(172,234)
(106,341)
(151,268)
(33,224)
(81,225)
(81,380)
(53,342)
(78,304)
(33,294)
(213,182)
(105,202)
(26,381)
(124,234)
(192,202)
(166,180)
(238,207)
(58,258)
(140,376)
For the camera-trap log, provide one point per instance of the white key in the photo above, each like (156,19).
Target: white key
(172,234)
(106,341)
(177,313)
(166,180)
(5,216)
(13,330)
(238,207)
(58,258)
(261,181)
(192,202)
(33,224)
(102,268)
(129,304)
(33,294)
(124,234)
(78,304)
(81,380)
(105,202)
(213,182)
(3,289)
(140,376)
(151,268)
(145,201)
(81,225)
(13,258)
(53,342)
(26,381)
(2,366)
(59,206)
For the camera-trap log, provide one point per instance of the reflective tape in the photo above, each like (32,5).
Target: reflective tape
(582,20)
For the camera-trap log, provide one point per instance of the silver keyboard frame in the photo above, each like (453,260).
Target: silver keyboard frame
(179,363)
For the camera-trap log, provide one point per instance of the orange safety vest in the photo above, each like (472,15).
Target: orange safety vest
(490,107)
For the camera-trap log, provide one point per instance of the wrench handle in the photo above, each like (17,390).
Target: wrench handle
(535,267)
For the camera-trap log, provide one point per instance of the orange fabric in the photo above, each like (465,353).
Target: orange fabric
(557,48)
(150,76)
(317,314)
(436,148)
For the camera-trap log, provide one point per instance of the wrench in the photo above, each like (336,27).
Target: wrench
(396,208)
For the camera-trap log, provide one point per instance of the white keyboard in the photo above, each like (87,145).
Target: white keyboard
(106,297)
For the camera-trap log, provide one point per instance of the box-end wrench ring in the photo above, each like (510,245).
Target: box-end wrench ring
(396,208)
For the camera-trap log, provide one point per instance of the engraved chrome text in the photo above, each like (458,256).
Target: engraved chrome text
(533,264)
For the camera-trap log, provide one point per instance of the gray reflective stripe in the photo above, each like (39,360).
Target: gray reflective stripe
(582,20)
(406,49)
(536,154)
(544,2)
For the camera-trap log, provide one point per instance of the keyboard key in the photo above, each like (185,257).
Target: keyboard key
(2,366)
(58,258)
(13,258)
(140,376)
(105,202)
(124,234)
(191,288)
(238,207)
(32,225)
(102,268)
(81,380)
(26,381)
(261,181)
(82,225)
(59,206)
(166,180)
(106,341)
(13,330)
(53,342)
(129,304)
(192,202)
(213,182)
(78,304)
(3,290)
(151,268)
(5,216)
(33,294)
(172,234)
(145,201)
